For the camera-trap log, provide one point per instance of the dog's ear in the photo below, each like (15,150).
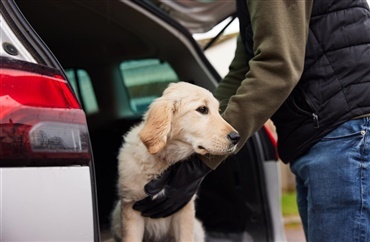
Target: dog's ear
(157,125)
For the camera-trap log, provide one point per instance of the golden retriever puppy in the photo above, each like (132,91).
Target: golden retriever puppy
(183,121)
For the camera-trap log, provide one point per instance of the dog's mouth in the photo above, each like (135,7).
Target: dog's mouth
(204,151)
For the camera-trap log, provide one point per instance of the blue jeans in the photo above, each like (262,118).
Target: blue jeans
(333,185)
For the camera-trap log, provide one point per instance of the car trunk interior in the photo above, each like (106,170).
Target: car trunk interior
(97,36)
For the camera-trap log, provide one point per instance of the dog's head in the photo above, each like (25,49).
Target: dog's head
(189,115)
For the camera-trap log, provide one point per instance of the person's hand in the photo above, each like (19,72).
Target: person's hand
(179,183)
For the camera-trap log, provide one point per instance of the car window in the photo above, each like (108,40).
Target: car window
(145,80)
(83,88)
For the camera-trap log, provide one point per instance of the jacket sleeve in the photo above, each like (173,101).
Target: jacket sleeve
(231,82)
(280,30)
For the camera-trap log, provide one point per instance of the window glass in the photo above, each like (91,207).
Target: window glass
(145,80)
(83,88)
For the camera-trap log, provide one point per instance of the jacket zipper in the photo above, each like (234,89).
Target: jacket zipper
(316,123)
(315,117)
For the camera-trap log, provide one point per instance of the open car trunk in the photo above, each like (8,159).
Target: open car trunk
(107,49)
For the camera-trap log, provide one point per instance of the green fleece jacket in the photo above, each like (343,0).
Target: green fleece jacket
(252,92)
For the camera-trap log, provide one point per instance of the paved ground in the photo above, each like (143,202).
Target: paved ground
(293,229)
(294,233)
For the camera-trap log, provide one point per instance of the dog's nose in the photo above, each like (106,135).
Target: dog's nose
(234,137)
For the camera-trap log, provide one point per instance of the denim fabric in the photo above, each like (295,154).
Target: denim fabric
(333,185)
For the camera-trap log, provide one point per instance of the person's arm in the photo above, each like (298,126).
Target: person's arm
(231,82)
(280,30)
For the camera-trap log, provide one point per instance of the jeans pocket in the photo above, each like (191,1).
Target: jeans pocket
(346,130)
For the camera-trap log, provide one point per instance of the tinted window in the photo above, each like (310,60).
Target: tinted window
(82,86)
(145,80)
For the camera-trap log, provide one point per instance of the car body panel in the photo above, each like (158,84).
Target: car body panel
(46,204)
(7,36)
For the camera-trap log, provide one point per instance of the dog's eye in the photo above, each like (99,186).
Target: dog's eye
(202,110)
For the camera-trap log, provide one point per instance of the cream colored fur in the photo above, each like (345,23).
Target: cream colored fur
(173,129)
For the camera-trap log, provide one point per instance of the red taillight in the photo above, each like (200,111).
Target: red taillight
(271,136)
(41,122)
(273,140)
(37,90)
